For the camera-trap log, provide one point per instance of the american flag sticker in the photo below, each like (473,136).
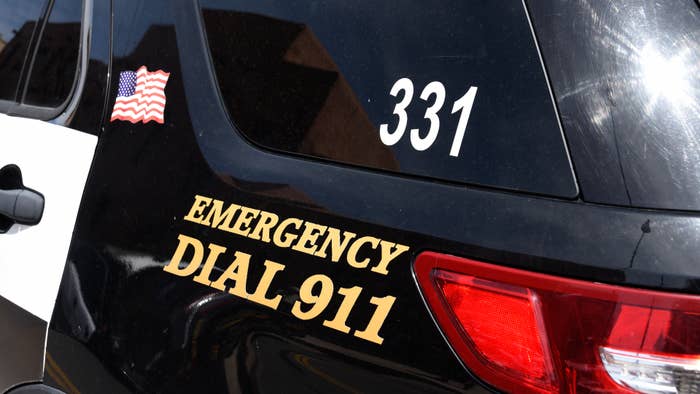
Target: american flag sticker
(141,96)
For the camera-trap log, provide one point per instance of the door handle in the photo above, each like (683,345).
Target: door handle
(18,204)
(22,206)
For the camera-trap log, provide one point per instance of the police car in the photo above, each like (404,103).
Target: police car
(288,196)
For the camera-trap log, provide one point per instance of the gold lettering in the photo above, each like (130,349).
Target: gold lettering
(349,298)
(337,247)
(174,266)
(388,256)
(267,227)
(218,219)
(238,272)
(214,252)
(371,333)
(244,219)
(318,303)
(311,233)
(265,224)
(355,247)
(280,231)
(271,269)
(200,202)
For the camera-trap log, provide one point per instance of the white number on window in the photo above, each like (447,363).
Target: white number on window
(438,90)
(391,138)
(463,105)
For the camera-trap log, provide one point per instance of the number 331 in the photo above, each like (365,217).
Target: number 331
(437,89)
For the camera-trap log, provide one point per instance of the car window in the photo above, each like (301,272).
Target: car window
(18,22)
(56,61)
(626,76)
(454,91)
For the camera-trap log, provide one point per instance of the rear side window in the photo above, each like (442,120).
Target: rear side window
(626,75)
(18,23)
(454,91)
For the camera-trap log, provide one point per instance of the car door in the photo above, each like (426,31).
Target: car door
(43,169)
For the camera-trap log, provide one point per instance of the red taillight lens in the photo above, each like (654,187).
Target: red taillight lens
(489,311)
(527,332)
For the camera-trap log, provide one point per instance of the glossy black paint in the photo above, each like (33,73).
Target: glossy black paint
(627,79)
(144,330)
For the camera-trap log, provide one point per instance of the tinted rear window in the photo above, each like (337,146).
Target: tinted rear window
(350,81)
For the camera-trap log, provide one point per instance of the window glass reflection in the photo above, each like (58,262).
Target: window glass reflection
(18,21)
(56,61)
(627,78)
(315,78)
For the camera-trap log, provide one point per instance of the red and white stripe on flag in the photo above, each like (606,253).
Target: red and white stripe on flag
(147,102)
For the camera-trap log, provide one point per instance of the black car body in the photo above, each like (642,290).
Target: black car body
(325,173)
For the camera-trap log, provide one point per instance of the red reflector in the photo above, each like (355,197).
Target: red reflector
(489,311)
(533,333)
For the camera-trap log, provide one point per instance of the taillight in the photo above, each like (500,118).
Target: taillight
(534,333)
